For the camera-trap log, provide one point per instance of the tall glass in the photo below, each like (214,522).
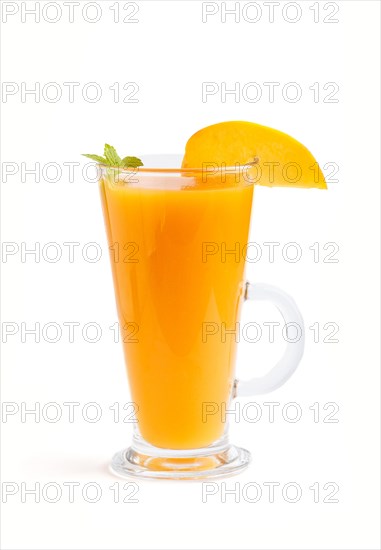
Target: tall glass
(178,242)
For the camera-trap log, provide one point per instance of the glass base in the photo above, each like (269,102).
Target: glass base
(142,460)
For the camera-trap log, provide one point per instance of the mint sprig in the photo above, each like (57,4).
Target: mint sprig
(111,158)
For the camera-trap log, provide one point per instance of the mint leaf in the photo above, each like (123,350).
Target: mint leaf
(97,158)
(112,157)
(131,162)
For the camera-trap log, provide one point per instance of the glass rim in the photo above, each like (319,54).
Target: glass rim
(212,168)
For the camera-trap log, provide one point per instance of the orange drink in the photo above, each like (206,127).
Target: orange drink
(178,240)
(176,243)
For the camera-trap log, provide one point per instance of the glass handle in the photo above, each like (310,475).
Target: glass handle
(286,366)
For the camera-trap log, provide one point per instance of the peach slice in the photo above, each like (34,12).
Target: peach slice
(282,161)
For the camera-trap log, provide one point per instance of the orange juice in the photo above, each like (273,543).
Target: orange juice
(174,274)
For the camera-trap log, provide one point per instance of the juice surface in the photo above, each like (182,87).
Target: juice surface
(175,283)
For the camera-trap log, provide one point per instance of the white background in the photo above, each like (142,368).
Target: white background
(169,53)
